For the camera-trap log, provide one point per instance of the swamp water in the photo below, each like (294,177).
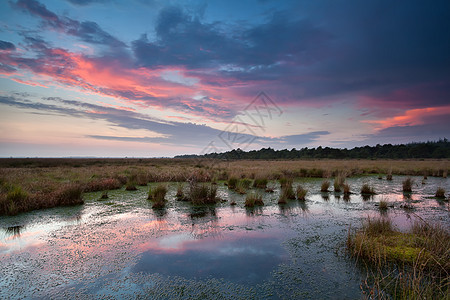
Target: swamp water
(122,248)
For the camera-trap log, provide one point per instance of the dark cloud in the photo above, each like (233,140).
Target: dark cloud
(90,32)
(86,2)
(185,40)
(7,46)
(87,31)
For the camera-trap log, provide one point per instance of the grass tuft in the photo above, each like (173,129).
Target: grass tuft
(232,183)
(407,185)
(260,183)
(440,193)
(338,183)
(131,184)
(346,188)
(324,186)
(301,193)
(366,189)
(253,199)
(383,205)
(158,196)
(201,194)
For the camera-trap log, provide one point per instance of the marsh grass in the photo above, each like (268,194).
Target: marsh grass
(200,194)
(346,188)
(285,182)
(253,199)
(301,193)
(407,185)
(408,265)
(383,205)
(141,179)
(366,189)
(440,193)
(287,193)
(389,175)
(158,195)
(15,200)
(232,183)
(338,183)
(41,178)
(260,183)
(180,196)
(102,185)
(104,195)
(324,186)
(69,194)
(131,184)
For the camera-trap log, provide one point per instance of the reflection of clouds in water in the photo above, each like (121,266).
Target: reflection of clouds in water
(212,239)
(175,241)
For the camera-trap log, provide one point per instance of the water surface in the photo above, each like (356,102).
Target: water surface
(121,247)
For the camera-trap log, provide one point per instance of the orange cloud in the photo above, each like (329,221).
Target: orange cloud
(411,117)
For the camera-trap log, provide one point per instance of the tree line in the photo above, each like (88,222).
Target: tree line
(430,149)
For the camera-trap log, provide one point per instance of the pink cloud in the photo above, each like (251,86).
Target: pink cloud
(28,82)
(410,117)
(140,86)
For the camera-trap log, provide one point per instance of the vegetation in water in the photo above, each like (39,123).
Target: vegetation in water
(157,195)
(440,193)
(324,186)
(301,193)
(366,189)
(253,199)
(407,185)
(421,254)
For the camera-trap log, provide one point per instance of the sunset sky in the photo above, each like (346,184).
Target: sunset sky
(151,78)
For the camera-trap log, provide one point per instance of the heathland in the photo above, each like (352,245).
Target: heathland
(34,183)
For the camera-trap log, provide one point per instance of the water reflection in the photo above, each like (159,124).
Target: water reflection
(367,197)
(325,196)
(243,245)
(14,231)
(254,211)
(241,257)
(196,212)
(160,213)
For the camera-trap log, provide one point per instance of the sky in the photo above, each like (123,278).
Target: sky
(158,78)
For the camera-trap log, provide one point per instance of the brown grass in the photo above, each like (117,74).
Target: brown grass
(40,178)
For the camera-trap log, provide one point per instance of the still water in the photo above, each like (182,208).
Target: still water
(122,248)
